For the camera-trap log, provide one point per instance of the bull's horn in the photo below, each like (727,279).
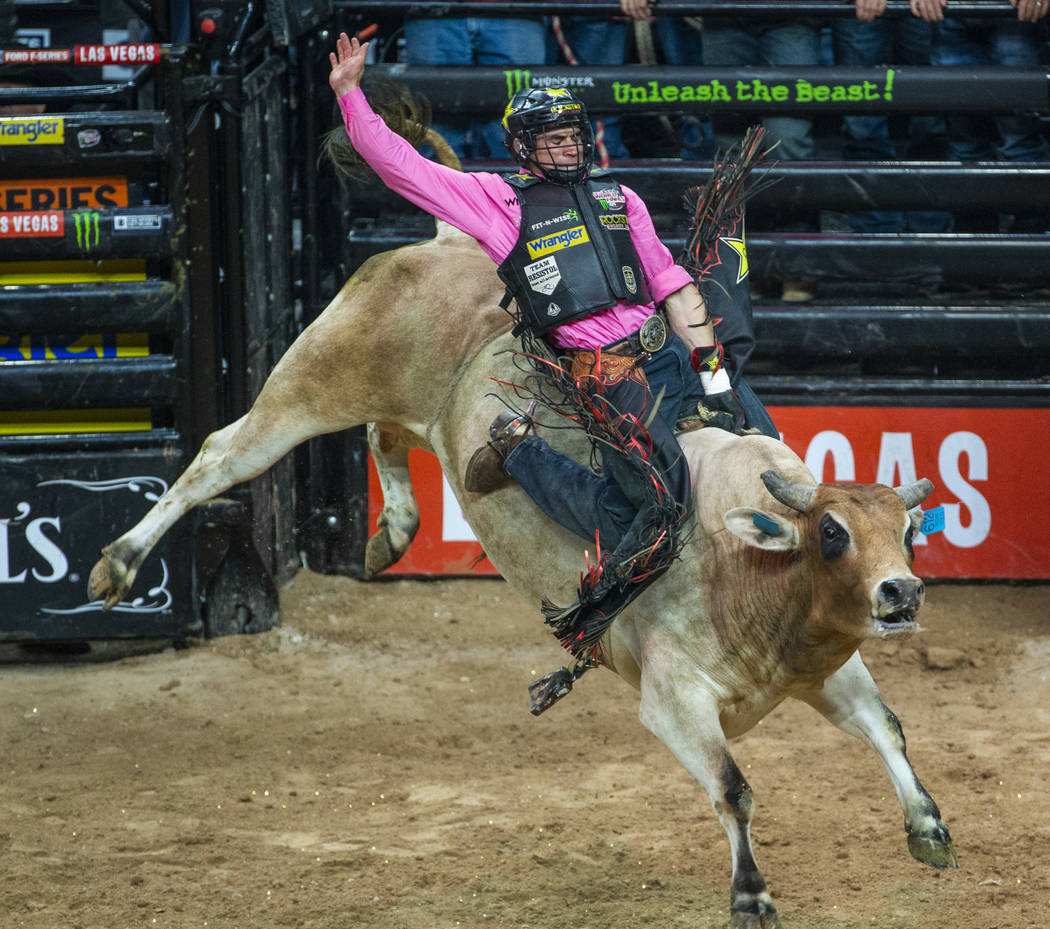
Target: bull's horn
(914,493)
(792,494)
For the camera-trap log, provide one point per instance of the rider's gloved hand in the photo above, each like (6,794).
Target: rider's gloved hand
(721,406)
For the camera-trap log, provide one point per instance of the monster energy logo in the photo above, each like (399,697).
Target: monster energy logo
(87,224)
(517,80)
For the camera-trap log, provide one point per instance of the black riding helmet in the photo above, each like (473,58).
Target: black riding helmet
(534,111)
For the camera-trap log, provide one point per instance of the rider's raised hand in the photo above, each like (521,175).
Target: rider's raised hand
(348,64)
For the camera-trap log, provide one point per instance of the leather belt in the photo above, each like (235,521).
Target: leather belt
(648,339)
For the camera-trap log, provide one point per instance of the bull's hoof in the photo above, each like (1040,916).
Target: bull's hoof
(380,553)
(934,851)
(765,918)
(108,581)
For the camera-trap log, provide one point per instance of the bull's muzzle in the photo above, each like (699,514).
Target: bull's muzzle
(897,600)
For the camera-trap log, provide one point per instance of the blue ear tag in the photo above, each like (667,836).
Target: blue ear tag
(933,520)
(765,524)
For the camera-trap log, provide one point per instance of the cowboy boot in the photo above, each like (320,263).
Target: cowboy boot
(485,470)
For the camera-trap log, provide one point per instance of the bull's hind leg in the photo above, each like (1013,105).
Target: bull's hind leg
(228,456)
(850,699)
(685,719)
(399,521)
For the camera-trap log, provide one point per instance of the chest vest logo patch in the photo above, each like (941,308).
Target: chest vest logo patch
(628,279)
(614,221)
(553,309)
(543,275)
(544,245)
(567,216)
(610,198)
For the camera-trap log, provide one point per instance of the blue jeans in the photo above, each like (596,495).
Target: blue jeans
(598,42)
(967,41)
(867,138)
(474,40)
(681,45)
(728,42)
(582,501)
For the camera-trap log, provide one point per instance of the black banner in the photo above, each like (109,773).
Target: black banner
(630,89)
(56,513)
(123,232)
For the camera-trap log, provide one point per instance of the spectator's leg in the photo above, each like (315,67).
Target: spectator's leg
(442,41)
(1014,44)
(598,42)
(958,42)
(681,44)
(928,133)
(790,45)
(726,44)
(515,43)
(859,44)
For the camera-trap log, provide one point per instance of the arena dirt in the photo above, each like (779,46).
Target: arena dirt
(373,763)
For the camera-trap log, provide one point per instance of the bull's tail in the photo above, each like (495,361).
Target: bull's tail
(405,113)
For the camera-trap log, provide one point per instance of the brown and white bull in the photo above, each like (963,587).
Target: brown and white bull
(782,580)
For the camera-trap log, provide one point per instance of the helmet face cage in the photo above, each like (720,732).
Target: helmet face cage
(533,112)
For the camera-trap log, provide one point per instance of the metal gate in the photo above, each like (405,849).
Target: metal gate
(147,291)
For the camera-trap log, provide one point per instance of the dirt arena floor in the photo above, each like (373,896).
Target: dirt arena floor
(373,763)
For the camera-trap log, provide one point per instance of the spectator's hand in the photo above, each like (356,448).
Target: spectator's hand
(930,10)
(1029,11)
(348,65)
(870,10)
(636,9)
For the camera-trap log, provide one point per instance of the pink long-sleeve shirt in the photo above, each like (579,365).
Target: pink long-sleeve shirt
(486,207)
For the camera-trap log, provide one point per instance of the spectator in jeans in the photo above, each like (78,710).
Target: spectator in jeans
(1013,41)
(474,40)
(772,42)
(585,40)
(869,41)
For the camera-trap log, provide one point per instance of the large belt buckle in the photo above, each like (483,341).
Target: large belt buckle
(653,334)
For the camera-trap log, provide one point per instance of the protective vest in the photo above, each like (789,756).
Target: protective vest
(574,254)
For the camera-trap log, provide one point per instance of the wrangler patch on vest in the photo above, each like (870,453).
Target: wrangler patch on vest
(544,245)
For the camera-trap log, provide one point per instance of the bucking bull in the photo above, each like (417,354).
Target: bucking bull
(781,580)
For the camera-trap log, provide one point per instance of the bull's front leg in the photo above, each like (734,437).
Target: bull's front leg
(680,712)
(850,699)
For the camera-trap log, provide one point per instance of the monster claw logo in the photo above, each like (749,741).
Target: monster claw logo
(517,80)
(87,230)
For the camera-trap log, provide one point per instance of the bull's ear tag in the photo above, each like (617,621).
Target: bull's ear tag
(932,520)
(765,524)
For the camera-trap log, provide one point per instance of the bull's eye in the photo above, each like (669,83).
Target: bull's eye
(834,539)
(908,538)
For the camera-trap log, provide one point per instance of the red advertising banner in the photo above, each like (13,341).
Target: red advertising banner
(31,224)
(136,53)
(990,469)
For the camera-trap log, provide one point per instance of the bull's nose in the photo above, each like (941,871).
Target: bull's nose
(902,593)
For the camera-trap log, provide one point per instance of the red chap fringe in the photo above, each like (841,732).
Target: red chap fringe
(714,206)
(615,578)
